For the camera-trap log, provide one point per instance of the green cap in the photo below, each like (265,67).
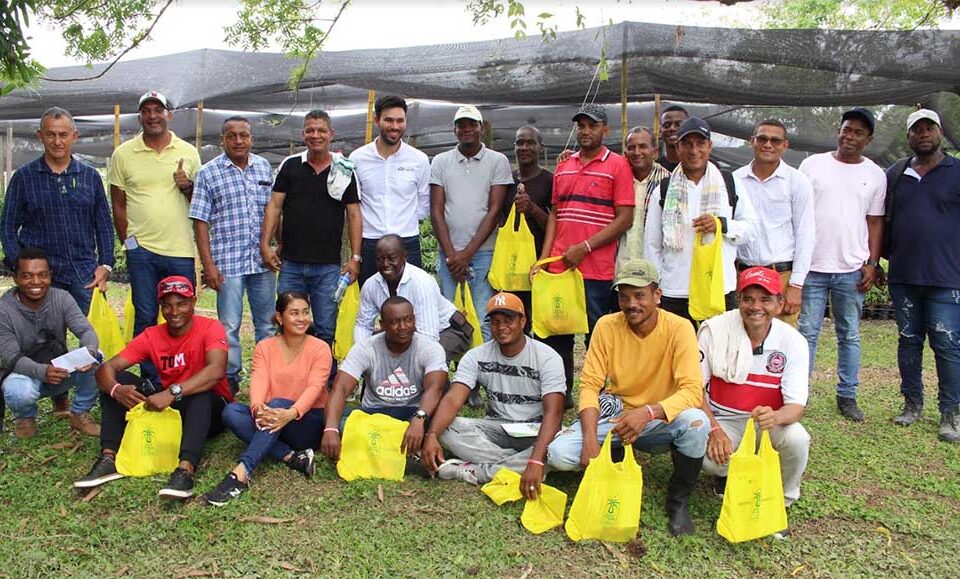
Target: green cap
(638,273)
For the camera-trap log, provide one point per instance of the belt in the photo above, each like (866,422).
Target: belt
(778,267)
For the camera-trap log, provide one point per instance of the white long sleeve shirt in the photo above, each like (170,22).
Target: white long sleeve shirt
(395,190)
(432,310)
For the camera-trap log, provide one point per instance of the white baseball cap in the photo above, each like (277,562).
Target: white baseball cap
(153,95)
(920,115)
(468,112)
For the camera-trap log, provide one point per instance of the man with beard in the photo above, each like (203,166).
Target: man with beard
(670,120)
(395,180)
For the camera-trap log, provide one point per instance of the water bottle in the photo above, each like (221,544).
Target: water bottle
(342,284)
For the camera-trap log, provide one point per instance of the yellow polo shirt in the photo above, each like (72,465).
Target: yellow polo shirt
(156,209)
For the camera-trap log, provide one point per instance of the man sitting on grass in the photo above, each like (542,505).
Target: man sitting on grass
(190,353)
(525,383)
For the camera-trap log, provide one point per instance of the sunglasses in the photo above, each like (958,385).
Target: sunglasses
(175,287)
(763,140)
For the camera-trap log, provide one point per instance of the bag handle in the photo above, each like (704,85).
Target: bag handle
(551,260)
(464,291)
(717,236)
(766,446)
(749,441)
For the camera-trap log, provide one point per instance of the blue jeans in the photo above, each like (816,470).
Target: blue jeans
(846,304)
(261,289)
(318,281)
(480,288)
(683,433)
(146,269)
(83,296)
(934,312)
(600,302)
(296,435)
(22,392)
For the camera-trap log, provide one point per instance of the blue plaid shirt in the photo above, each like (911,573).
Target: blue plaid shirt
(66,215)
(232,201)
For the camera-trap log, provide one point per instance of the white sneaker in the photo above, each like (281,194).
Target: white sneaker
(455,469)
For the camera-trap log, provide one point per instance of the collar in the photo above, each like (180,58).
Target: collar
(404,277)
(462,158)
(656,171)
(782,171)
(604,153)
(376,151)
(73,167)
(225,161)
(139,145)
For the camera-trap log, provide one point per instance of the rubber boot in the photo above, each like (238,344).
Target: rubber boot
(682,482)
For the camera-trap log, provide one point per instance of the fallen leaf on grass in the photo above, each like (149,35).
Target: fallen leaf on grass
(797,570)
(63,511)
(288,566)
(885,531)
(123,571)
(48,460)
(91,495)
(527,571)
(266,520)
(907,557)
(407,493)
(380,493)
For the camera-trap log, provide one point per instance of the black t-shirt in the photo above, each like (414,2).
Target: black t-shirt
(668,165)
(540,190)
(312,220)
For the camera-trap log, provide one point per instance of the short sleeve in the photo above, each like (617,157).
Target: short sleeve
(704,339)
(877,203)
(193,163)
(138,349)
(350,195)
(282,183)
(358,359)
(433,357)
(115,174)
(215,337)
(437,170)
(468,370)
(623,194)
(201,204)
(795,382)
(553,379)
(502,174)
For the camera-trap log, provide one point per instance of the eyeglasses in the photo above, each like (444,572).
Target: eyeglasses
(763,140)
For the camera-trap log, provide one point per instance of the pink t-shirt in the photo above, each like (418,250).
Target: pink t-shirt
(844,195)
(303,379)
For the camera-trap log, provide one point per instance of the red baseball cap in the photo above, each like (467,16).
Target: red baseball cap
(175,284)
(764,277)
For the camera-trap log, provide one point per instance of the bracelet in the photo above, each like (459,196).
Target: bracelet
(715,428)
(534,461)
(429,432)
(332,429)
(114,389)
(650,410)
(587,243)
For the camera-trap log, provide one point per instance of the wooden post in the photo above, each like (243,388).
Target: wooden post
(656,118)
(371,97)
(624,125)
(199,125)
(116,126)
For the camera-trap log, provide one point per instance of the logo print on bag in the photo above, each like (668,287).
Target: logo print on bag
(147,446)
(558,307)
(776,362)
(755,513)
(374,438)
(613,507)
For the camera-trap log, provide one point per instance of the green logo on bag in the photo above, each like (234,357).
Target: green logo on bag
(613,507)
(374,438)
(755,513)
(147,443)
(558,306)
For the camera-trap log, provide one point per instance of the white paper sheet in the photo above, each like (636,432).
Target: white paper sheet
(74,359)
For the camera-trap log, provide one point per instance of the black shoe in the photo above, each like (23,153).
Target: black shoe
(719,485)
(949,427)
(180,485)
(681,485)
(911,413)
(782,535)
(849,409)
(103,471)
(234,385)
(302,462)
(228,489)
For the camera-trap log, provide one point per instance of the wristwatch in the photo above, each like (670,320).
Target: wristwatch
(177,391)
(356,258)
(872,262)
(421,414)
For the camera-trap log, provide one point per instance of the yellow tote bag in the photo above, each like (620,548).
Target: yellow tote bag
(514,253)
(128,318)
(346,318)
(546,512)
(753,504)
(464,302)
(371,447)
(607,504)
(504,488)
(558,302)
(706,277)
(151,442)
(105,324)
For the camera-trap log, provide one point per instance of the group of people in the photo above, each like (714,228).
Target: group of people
(791,239)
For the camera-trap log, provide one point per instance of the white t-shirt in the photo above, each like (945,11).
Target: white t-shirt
(393,381)
(843,195)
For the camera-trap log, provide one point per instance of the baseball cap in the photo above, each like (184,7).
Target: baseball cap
(504,302)
(764,277)
(595,112)
(920,115)
(694,125)
(863,114)
(468,112)
(175,284)
(638,273)
(153,95)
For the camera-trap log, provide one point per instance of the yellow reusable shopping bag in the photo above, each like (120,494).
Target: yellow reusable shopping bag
(607,504)
(129,315)
(753,505)
(105,324)
(464,302)
(504,488)
(546,512)
(558,302)
(706,277)
(151,442)
(346,318)
(514,253)
(371,447)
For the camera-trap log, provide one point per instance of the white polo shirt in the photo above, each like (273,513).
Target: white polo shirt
(396,190)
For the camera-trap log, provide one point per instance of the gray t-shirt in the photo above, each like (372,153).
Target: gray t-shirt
(467,182)
(516,386)
(393,381)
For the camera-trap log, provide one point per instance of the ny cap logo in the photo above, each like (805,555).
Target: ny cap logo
(500,300)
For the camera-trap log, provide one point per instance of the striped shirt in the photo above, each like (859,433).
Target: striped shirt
(232,201)
(64,214)
(432,310)
(586,197)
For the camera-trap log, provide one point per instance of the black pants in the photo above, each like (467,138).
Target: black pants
(681,306)
(200,414)
(368,255)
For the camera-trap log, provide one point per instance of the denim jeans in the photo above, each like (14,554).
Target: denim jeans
(83,296)
(146,269)
(687,433)
(934,312)
(296,435)
(846,304)
(22,392)
(600,302)
(319,281)
(261,290)
(368,255)
(480,288)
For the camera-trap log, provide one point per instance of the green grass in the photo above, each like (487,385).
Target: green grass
(877,501)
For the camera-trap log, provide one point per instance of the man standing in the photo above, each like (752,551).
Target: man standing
(755,366)
(227,209)
(34,319)
(923,245)
(848,193)
(670,120)
(697,191)
(647,175)
(312,192)
(468,185)
(646,362)
(395,180)
(151,181)
(783,200)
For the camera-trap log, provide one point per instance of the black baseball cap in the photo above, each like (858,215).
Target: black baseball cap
(863,114)
(595,112)
(694,125)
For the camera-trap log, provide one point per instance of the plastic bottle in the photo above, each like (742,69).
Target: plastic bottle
(342,284)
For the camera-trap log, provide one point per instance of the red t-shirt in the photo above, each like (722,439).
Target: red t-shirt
(180,357)
(585,197)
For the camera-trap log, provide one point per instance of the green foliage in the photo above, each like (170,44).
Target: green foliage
(854,14)
(485,11)
(16,66)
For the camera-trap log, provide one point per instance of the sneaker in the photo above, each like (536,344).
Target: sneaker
(103,471)
(911,413)
(228,489)
(782,535)
(61,406)
(849,409)
(455,469)
(302,462)
(84,423)
(25,428)
(949,427)
(719,485)
(180,485)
